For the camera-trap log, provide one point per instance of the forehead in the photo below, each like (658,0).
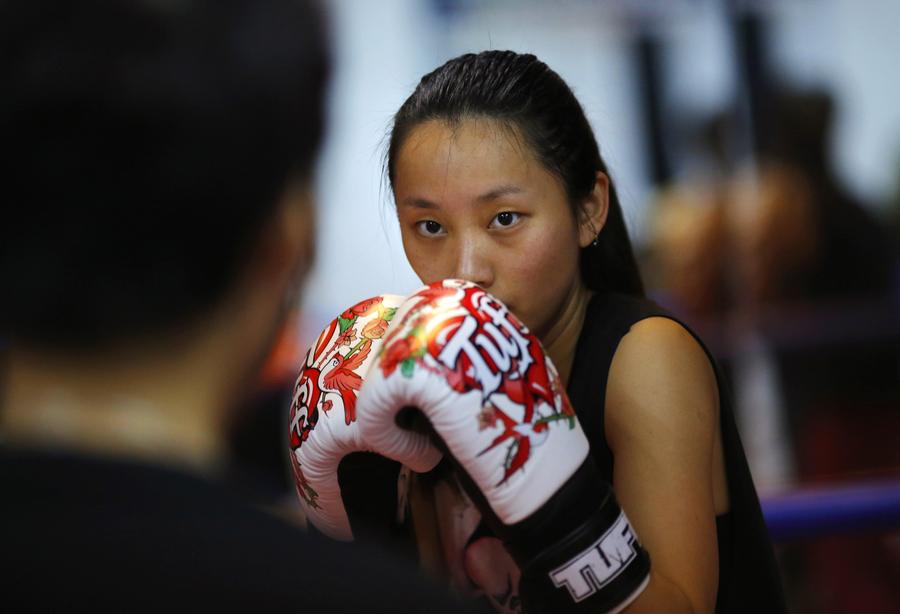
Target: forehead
(466,158)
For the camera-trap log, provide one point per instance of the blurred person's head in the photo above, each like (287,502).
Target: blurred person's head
(800,130)
(501,135)
(791,231)
(156,183)
(811,237)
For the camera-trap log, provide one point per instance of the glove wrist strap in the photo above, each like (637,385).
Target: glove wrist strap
(578,552)
(599,566)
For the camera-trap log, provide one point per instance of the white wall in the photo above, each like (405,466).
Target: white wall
(382,49)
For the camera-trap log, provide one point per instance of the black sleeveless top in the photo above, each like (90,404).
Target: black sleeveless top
(748,575)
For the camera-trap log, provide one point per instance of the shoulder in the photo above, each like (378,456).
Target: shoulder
(662,343)
(660,378)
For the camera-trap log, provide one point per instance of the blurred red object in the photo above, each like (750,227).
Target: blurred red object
(283,362)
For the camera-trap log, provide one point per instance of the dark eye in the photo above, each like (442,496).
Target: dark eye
(429,228)
(505,219)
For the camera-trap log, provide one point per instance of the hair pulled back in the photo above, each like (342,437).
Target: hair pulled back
(525,94)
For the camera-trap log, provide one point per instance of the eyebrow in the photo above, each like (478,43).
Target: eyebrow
(418,203)
(503,190)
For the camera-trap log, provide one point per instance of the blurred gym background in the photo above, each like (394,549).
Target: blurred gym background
(756,148)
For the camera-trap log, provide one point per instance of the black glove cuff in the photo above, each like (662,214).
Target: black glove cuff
(578,501)
(599,567)
(578,552)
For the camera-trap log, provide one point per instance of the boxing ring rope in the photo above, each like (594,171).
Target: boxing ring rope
(869,506)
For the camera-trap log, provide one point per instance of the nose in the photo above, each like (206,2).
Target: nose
(473,262)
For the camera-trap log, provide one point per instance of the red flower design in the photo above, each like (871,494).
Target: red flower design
(394,354)
(346,338)
(366,307)
(487,418)
(375,329)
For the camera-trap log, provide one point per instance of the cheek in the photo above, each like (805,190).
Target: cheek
(549,265)
(541,274)
(424,259)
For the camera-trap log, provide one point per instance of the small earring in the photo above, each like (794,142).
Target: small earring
(596,234)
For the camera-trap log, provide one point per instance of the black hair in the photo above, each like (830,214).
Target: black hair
(525,94)
(145,143)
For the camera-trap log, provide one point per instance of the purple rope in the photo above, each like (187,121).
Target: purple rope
(873,506)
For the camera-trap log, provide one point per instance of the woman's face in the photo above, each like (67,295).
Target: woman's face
(474,203)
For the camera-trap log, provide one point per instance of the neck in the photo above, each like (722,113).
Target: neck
(561,339)
(160,408)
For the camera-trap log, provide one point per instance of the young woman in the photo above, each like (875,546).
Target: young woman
(498,179)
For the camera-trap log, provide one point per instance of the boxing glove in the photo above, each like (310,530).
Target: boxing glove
(324,432)
(497,408)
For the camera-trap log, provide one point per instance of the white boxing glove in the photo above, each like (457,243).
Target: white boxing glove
(497,407)
(323,417)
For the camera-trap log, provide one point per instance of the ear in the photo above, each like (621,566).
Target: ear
(286,244)
(594,209)
(299,222)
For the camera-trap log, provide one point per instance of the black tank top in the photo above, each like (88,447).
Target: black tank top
(748,575)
